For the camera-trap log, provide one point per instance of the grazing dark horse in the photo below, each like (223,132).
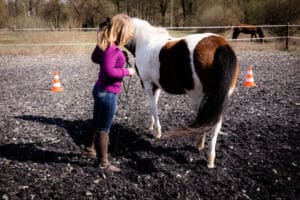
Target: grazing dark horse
(248,29)
(203,66)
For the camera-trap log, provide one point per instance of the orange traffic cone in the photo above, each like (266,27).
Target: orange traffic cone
(56,87)
(249,82)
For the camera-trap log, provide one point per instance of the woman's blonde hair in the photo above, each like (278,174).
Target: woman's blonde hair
(118,31)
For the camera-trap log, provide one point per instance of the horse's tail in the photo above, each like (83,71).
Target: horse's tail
(214,101)
(260,34)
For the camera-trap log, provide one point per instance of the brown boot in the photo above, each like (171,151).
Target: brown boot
(89,149)
(89,152)
(104,164)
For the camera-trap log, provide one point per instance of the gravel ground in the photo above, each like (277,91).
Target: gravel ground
(41,136)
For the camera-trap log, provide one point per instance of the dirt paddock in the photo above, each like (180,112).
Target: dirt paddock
(41,136)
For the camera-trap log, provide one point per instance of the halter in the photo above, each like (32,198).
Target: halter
(126,89)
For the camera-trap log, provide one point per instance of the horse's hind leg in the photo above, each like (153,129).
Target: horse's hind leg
(150,123)
(212,145)
(201,144)
(195,102)
(153,93)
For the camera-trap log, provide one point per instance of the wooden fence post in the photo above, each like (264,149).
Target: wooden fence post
(287,37)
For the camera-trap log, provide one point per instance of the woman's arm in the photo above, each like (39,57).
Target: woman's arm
(108,64)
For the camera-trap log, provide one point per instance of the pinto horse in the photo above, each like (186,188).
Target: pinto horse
(248,29)
(203,66)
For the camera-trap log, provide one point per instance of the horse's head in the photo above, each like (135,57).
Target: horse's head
(145,33)
(140,27)
(131,46)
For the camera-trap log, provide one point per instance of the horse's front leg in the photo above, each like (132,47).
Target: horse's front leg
(153,95)
(152,120)
(255,36)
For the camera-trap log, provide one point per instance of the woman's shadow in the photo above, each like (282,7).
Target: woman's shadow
(124,142)
(36,151)
(76,128)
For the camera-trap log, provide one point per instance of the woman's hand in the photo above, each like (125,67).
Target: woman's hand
(132,71)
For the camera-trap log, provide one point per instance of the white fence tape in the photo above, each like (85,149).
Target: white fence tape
(93,44)
(48,44)
(169,28)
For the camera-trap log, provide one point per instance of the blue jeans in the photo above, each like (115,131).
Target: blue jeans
(105,106)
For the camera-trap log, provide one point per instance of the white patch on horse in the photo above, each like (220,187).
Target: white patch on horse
(197,93)
(148,56)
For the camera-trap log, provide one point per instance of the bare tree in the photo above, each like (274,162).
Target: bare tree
(159,12)
(3,14)
(89,12)
(163,6)
(54,12)
(15,7)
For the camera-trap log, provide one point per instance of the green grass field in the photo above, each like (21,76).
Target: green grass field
(81,42)
(42,42)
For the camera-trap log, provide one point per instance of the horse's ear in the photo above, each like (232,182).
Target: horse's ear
(102,24)
(107,22)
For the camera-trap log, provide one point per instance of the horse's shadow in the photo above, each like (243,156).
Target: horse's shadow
(124,142)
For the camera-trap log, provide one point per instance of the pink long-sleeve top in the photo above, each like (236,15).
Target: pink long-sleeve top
(111,72)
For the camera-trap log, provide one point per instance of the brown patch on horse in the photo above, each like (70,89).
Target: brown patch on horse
(247,28)
(204,53)
(176,74)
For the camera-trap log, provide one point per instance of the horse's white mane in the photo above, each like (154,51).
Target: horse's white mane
(144,30)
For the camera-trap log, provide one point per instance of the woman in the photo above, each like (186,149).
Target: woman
(107,54)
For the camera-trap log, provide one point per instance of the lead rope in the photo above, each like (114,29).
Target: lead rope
(126,88)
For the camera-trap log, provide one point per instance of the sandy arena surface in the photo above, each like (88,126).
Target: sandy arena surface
(41,136)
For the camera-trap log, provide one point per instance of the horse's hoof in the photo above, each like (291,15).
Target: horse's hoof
(158,136)
(201,148)
(210,166)
(149,128)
